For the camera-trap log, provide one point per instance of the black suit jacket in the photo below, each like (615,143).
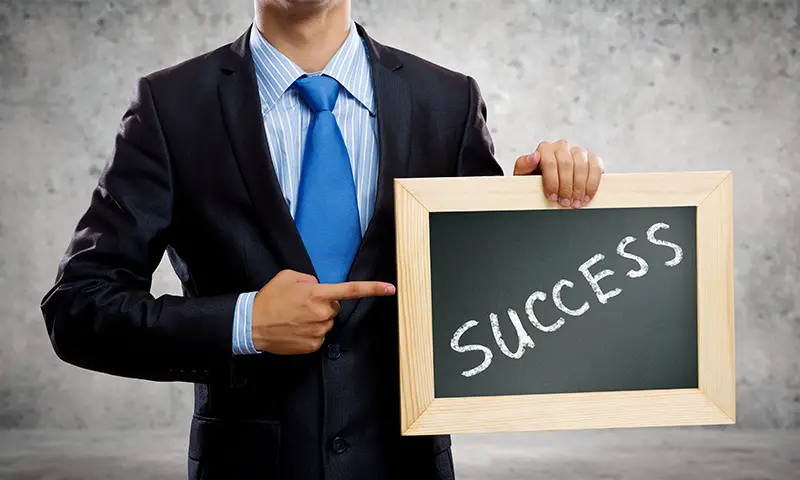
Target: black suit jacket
(191,175)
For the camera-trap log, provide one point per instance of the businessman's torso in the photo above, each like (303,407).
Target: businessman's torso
(335,411)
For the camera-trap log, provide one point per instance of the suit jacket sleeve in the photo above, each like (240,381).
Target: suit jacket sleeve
(476,156)
(100,314)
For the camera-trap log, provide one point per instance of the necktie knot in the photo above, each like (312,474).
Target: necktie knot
(319,92)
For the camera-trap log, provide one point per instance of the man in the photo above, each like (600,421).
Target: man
(264,169)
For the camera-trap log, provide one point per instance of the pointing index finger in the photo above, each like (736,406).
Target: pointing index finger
(353,290)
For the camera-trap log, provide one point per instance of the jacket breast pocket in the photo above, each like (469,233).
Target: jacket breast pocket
(242,449)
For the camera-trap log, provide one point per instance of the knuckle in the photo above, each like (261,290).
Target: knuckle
(562,143)
(543,146)
(580,155)
(601,164)
(595,160)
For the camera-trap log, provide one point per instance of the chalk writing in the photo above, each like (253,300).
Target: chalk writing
(487,354)
(593,279)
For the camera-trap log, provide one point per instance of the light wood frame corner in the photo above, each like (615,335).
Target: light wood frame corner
(713,402)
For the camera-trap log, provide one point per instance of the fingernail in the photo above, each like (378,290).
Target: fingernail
(565,202)
(553,197)
(390,289)
(576,204)
(586,199)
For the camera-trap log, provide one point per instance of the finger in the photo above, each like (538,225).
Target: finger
(549,171)
(565,173)
(322,328)
(324,311)
(353,290)
(327,311)
(314,344)
(527,164)
(580,173)
(596,169)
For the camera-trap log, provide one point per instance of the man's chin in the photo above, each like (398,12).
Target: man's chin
(301,5)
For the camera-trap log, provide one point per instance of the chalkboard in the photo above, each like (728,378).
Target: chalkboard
(515,314)
(638,331)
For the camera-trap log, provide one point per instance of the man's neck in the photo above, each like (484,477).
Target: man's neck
(309,38)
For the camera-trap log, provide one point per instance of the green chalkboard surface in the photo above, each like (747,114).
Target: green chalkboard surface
(633,329)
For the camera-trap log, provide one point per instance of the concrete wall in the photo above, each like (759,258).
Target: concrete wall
(651,86)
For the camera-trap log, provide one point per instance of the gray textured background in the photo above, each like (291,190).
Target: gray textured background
(651,86)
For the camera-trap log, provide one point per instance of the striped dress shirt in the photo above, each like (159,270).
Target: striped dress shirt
(286,121)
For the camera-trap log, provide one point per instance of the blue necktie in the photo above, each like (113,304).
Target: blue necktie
(327,206)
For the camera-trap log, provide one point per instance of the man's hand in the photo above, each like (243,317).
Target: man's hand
(293,312)
(570,175)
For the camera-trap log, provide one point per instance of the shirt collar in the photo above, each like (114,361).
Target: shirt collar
(275,72)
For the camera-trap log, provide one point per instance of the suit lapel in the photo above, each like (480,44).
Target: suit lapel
(393,100)
(240,103)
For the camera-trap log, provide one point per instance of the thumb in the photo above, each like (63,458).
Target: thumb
(526,164)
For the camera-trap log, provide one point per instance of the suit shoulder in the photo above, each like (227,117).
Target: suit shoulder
(438,89)
(188,72)
(418,66)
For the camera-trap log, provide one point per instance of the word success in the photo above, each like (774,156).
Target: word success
(525,340)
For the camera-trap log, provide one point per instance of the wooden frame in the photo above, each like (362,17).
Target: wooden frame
(714,402)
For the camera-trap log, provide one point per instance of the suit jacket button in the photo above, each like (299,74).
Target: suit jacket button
(334,351)
(339,445)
